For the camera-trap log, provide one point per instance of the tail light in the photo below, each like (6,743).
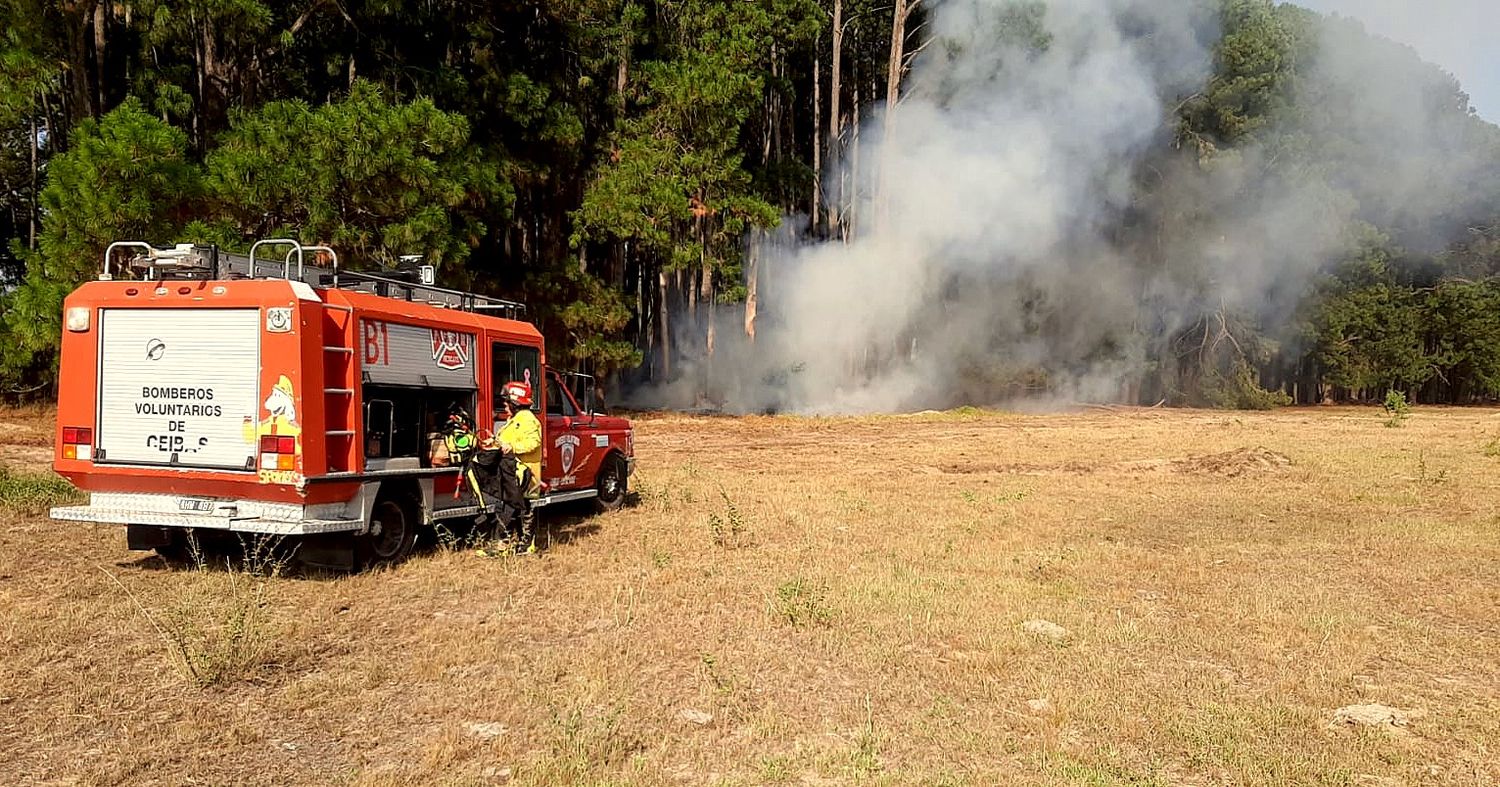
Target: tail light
(278,452)
(78,442)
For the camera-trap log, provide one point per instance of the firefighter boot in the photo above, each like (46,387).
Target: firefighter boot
(526,544)
(493,528)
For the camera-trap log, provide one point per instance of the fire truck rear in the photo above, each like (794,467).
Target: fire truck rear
(204,392)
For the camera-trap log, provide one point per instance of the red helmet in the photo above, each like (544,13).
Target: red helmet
(518,393)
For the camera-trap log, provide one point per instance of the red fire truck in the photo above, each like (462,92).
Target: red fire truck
(216,393)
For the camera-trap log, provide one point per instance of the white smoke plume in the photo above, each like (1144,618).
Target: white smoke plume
(990,264)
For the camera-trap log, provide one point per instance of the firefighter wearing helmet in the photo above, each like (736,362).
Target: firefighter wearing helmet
(522,438)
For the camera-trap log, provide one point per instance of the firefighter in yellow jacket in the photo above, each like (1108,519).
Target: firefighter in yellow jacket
(522,437)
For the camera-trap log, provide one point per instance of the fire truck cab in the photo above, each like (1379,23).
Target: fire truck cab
(209,392)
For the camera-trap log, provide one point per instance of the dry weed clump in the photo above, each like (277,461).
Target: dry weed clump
(1240,461)
(220,628)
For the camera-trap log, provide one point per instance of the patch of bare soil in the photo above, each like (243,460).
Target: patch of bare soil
(28,457)
(1230,464)
(1014,468)
(12,433)
(1240,461)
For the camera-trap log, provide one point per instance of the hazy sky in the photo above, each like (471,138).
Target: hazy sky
(1461,36)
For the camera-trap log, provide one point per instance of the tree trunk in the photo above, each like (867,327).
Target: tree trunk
(622,71)
(644,317)
(774,95)
(691,292)
(199,134)
(895,69)
(78,101)
(768,119)
(835,117)
(817,133)
(897,62)
(663,308)
(706,295)
(212,77)
(31,221)
(101,22)
(851,217)
(752,286)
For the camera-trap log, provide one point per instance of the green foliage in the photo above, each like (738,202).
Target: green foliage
(1239,390)
(728,530)
(1254,64)
(802,603)
(34,493)
(578,305)
(1368,328)
(370,177)
(126,177)
(675,181)
(1396,407)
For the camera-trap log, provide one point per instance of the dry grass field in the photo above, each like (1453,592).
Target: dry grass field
(821,601)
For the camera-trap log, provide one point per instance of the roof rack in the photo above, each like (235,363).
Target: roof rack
(192,262)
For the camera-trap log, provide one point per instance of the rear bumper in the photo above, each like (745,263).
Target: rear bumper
(236,516)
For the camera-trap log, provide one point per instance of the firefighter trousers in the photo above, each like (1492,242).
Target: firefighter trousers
(522,527)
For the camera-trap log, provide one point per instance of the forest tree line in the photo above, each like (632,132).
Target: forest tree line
(610,162)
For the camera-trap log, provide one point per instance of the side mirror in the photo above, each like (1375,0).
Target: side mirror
(588,398)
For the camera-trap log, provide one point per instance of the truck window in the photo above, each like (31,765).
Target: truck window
(558,402)
(513,362)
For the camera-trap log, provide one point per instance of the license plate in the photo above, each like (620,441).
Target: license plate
(197,506)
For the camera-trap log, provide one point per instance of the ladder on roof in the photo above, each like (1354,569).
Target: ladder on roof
(187,261)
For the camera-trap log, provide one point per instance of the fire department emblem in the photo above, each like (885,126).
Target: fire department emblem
(450,349)
(567,445)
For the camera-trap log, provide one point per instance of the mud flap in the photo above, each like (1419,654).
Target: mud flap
(146,537)
(334,552)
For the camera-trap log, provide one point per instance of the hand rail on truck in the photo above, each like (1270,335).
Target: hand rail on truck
(213,263)
(105,275)
(287,265)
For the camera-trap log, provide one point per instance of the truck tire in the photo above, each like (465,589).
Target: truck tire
(613,484)
(392,533)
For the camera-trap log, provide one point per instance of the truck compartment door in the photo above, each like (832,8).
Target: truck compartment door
(178,387)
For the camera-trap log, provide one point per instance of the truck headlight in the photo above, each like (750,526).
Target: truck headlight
(78,318)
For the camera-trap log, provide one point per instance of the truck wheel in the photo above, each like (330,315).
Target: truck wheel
(392,533)
(612,484)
